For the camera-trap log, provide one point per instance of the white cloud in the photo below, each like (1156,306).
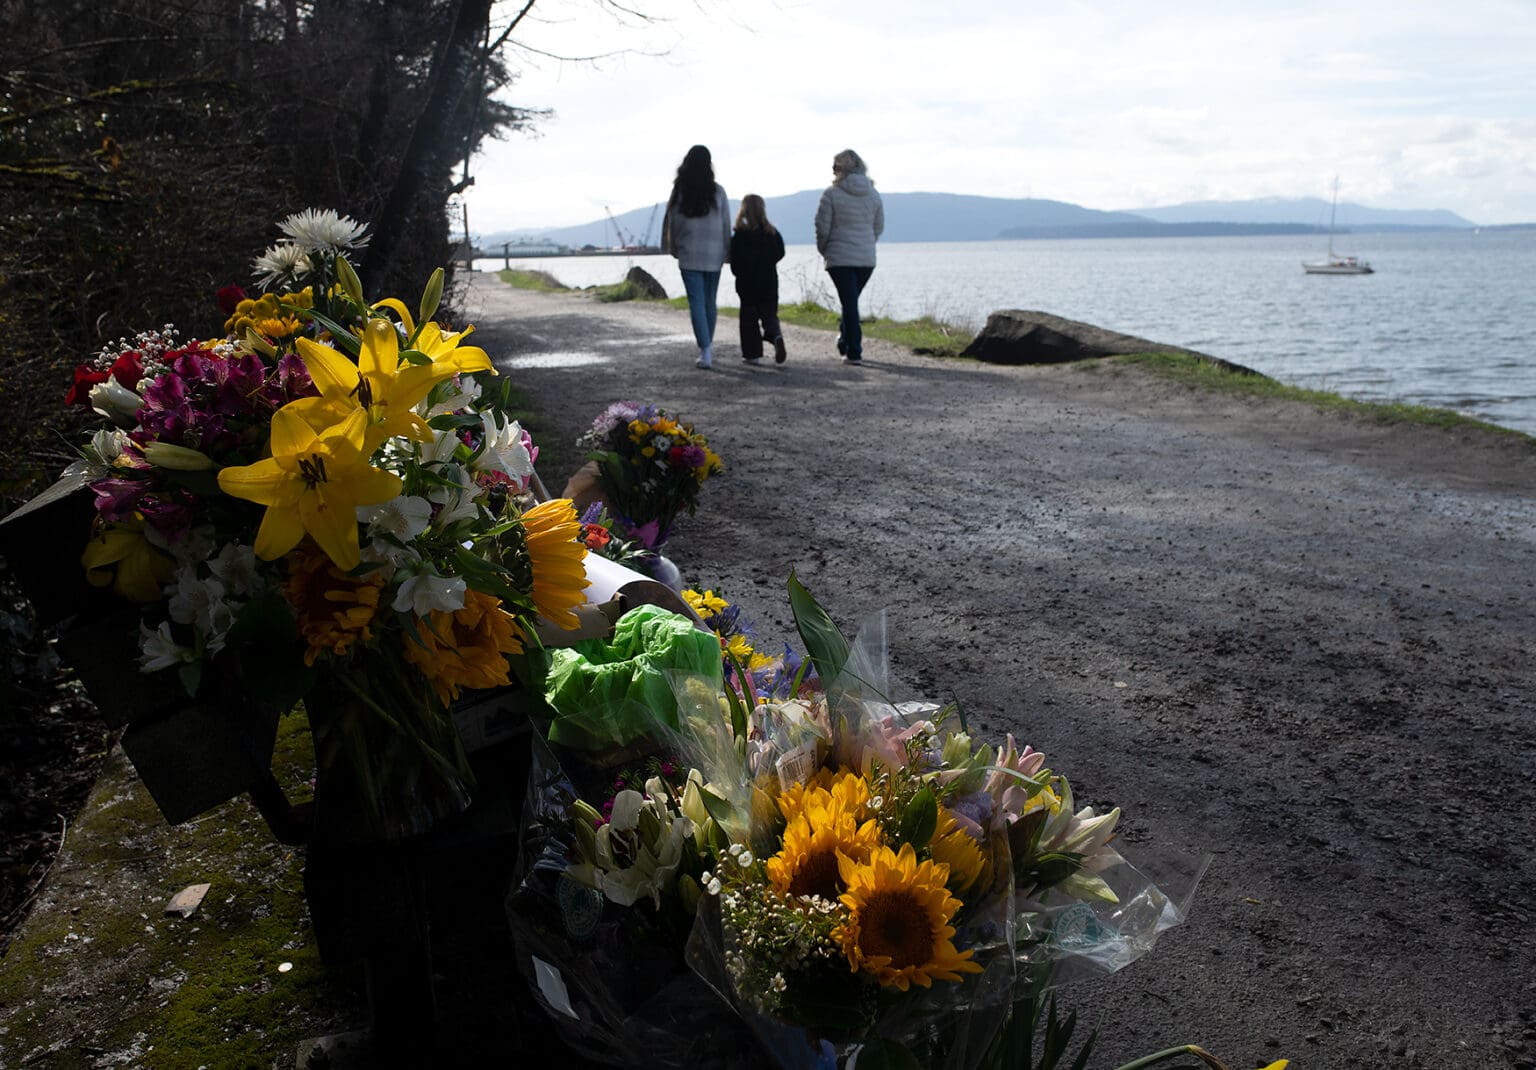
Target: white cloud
(1111,105)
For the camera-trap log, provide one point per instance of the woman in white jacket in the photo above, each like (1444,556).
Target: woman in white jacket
(849,220)
(697,231)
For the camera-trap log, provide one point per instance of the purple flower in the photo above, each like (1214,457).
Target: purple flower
(172,518)
(118,499)
(290,382)
(976,808)
(688,456)
(649,534)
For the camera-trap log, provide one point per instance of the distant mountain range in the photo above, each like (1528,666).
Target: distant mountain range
(931,217)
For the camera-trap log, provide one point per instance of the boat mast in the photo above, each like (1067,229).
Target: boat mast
(1332,211)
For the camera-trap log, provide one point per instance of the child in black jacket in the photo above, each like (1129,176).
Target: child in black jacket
(756,249)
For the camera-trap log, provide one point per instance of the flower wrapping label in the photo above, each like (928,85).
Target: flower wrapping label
(796,766)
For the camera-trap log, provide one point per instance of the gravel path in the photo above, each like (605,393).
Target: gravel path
(1298,642)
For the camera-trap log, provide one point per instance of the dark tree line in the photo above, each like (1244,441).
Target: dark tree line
(149,147)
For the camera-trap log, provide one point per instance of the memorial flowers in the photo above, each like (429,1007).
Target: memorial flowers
(862,868)
(649,467)
(335,486)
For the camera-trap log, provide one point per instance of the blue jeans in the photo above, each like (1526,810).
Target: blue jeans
(850,282)
(701,287)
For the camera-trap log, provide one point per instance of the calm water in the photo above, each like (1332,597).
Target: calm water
(1446,320)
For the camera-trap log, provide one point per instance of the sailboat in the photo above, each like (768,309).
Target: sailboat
(1336,264)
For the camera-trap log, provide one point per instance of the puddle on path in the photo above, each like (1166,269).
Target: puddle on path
(569,359)
(649,340)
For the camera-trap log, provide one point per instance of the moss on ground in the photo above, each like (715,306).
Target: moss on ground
(100,975)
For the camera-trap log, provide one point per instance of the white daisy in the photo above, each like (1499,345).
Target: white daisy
(282,264)
(321,230)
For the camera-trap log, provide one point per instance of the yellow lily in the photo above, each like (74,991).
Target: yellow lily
(312,484)
(141,567)
(439,344)
(379,383)
(400,310)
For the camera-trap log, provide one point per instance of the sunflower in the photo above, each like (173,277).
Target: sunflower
(844,789)
(334,609)
(465,648)
(898,920)
(958,850)
(814,842)
(555,553)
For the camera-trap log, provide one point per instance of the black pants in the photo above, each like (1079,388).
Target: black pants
(759,320)
(850,282)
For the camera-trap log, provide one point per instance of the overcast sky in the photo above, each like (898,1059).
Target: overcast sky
(1109,104)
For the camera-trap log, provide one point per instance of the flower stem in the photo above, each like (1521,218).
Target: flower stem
(1169,1053)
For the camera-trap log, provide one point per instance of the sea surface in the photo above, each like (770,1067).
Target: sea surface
(1447,319)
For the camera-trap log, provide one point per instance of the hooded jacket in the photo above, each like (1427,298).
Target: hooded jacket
(848,220)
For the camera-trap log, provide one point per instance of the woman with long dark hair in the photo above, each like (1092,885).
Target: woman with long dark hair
(697,231)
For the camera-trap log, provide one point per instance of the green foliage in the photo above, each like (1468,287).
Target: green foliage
(823,640)
(924,335)
(1023,1045)
(920,819)
(530,280)
(620,291)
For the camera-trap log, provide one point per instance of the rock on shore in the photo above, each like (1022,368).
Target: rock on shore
(1016,336)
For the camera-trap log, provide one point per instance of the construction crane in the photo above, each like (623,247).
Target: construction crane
(625,242)
(650,226)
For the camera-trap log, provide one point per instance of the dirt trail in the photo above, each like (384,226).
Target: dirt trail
(1299,642)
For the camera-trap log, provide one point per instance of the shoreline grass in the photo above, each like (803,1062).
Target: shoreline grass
(928,336)
(1195,372)
(520,279)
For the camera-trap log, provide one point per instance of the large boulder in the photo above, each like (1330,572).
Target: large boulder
(644,285)
(1014,336)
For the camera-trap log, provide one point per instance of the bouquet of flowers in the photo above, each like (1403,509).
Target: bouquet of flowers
(649,467)
(330,499)
(857,868)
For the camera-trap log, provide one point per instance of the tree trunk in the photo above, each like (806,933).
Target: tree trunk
(432,143)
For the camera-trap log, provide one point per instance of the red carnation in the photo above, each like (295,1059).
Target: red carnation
(228,297)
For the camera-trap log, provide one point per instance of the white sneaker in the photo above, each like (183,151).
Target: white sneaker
(704,362)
